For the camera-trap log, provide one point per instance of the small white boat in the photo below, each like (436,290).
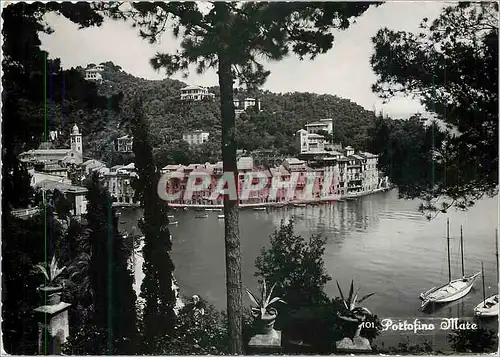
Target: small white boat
(174,223)
(259,209)
(217,209)
(489,306)
(170,216)
(201,216)
(453,289)
(299,204)
(209,209)
(220,216)
(185,209)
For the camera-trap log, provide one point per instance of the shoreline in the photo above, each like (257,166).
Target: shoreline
(282,204)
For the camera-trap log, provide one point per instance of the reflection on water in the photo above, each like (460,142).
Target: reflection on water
(381,242)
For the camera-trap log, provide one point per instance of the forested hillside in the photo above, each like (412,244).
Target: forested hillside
(272,128)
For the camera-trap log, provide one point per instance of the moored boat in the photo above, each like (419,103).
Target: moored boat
(453,289)
(259,208)
(201,216)
(489,307)
(170,216)
(174,223)
(220,216)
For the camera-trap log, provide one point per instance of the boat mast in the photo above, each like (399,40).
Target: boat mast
(448,241)
(484,290)
(462,250)
(496,249)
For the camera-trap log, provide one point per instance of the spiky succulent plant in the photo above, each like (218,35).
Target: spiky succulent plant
(51,271)
(352,301)
(263,305)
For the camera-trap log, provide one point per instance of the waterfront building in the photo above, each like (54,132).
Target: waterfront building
(196,93)
(171,168)
(355,173)
(293,164)
(196,137)
(119,183)
(124,143)
(371,174)
(345,174)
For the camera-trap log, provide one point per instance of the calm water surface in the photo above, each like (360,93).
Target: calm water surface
(380,241)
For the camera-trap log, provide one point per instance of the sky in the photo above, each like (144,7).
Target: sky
(344,71)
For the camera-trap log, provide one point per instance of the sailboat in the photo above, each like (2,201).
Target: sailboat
(453,289)
(489,306)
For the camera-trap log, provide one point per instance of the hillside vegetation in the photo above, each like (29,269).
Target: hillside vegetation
(272,128)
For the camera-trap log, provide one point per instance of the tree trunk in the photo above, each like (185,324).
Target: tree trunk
(232,235)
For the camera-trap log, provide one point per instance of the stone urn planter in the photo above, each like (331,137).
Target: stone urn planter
(50,294)
(265,324)
(355,316)
(263,312)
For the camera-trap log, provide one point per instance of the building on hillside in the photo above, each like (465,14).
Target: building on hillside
(348,151)
(310,139)
(53,135)
(196,93)
(243,104)
(75,194)
(119,183)
(245,164)
(37,177)
(74,155)
(92,165)
(321,125)
(94,73)
(124,143)
(196,137)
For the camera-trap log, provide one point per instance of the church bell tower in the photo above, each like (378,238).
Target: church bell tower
(76,140)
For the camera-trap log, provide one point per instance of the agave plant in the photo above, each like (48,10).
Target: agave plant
(352,301)
(51,272)
(263,305)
